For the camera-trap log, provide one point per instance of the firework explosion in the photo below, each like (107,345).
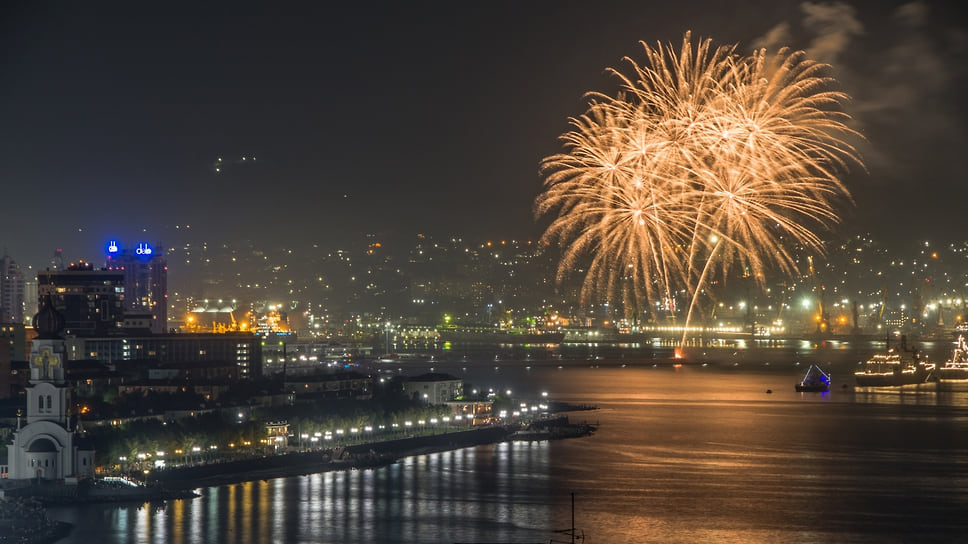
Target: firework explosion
(703,162)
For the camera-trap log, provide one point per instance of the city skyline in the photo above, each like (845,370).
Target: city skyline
(434,281)
(332,122)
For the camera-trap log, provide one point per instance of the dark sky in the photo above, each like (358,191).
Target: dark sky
(407,116)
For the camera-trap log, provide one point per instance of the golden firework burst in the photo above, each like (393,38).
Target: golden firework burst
(704,160)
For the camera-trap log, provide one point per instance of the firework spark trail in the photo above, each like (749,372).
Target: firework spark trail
(704,161)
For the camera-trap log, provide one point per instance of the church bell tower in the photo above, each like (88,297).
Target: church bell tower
(46,448)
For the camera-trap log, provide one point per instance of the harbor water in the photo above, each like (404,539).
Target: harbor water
(725,451)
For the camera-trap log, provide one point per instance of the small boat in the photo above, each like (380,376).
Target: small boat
(815,380)
(956,369)
(895,368)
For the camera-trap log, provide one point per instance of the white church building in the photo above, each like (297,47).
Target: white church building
(46,448)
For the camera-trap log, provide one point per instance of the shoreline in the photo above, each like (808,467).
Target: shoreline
(357,456)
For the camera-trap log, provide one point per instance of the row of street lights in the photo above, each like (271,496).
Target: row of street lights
(194,454)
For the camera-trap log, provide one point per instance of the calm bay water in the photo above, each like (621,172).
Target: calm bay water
(690,454)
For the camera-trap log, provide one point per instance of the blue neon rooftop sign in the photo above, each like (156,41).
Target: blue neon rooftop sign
(142,250)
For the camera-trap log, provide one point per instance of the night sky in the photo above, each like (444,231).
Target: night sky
(408,116)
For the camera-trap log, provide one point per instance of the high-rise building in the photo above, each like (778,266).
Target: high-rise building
(11,291)
(31,301)
(145,281)
(90,300)
(57,260)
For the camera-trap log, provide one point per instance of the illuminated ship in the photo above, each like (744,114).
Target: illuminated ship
(815,380)
(956,369)
(894,368)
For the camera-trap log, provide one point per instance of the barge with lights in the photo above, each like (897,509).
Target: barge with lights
(956,368)
(895,367)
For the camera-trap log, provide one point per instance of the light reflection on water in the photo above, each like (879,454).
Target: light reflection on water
(695,454)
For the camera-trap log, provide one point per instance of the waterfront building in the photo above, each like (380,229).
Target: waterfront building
(46,448)
(90,300)
(434,388)
(284,352)
(145,281)
(472,410)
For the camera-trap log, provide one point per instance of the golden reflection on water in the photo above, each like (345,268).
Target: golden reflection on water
(177,514)
(261,488)
(692,454)
(352,505)
(143,519)
(230,519)
(160,523)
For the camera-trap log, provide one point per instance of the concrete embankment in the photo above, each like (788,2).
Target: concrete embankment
(353,456)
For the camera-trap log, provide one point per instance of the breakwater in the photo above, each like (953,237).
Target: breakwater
(354,456)
(340,458)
